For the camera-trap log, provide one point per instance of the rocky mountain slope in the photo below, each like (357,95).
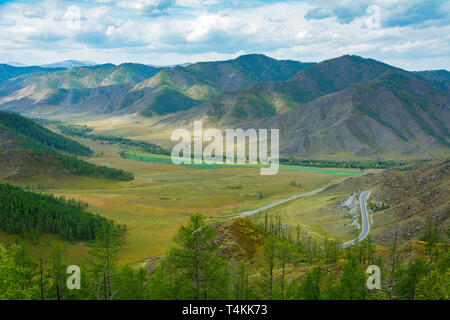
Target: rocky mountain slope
(392,114)
(403,197)
(344,107)
(412,196)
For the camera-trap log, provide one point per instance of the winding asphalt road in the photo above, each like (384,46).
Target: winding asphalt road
(364,218)
(362,203)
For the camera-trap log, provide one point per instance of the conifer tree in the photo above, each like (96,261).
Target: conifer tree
(109,241)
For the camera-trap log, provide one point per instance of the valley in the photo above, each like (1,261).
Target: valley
(101,135)
(163,195)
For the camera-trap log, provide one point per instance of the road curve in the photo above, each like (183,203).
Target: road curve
(362,203)
(364,219)
(269,206)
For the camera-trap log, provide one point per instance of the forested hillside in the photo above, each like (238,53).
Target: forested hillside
(84,168)
(26,146)
(36,137)
(23,212)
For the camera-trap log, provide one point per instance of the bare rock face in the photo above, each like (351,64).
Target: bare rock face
(350,208)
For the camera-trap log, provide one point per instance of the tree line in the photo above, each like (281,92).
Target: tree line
(355,164)
(25,277)
(84,168)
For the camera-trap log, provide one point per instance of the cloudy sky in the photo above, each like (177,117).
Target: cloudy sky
(412,34)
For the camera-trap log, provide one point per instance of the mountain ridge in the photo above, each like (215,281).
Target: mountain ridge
(319,108)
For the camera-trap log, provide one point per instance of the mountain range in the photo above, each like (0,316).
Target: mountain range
(340,108)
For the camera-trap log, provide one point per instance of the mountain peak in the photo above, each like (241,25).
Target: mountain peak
(360,62)
(254,57)
(341,71)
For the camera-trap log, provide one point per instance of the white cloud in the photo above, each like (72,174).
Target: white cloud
(159,32)
(146,7)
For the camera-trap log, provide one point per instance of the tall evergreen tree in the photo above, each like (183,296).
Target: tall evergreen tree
(284,254)
(352,283)
(310,287)
(268,265)
(195,260)
(431,236)
(109,241)
(407,285)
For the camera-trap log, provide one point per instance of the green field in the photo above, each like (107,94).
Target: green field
(166,159)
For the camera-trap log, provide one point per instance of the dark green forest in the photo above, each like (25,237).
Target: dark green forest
(23,212)
(356,164)
(36,137)
(83,168)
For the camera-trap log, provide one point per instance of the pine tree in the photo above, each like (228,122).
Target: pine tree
(431,235)
(407,285)
(195,260)
(352,283)
(310,287)
(25,264)
(284,255)
(57,271)
(109,241)
(268,265)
